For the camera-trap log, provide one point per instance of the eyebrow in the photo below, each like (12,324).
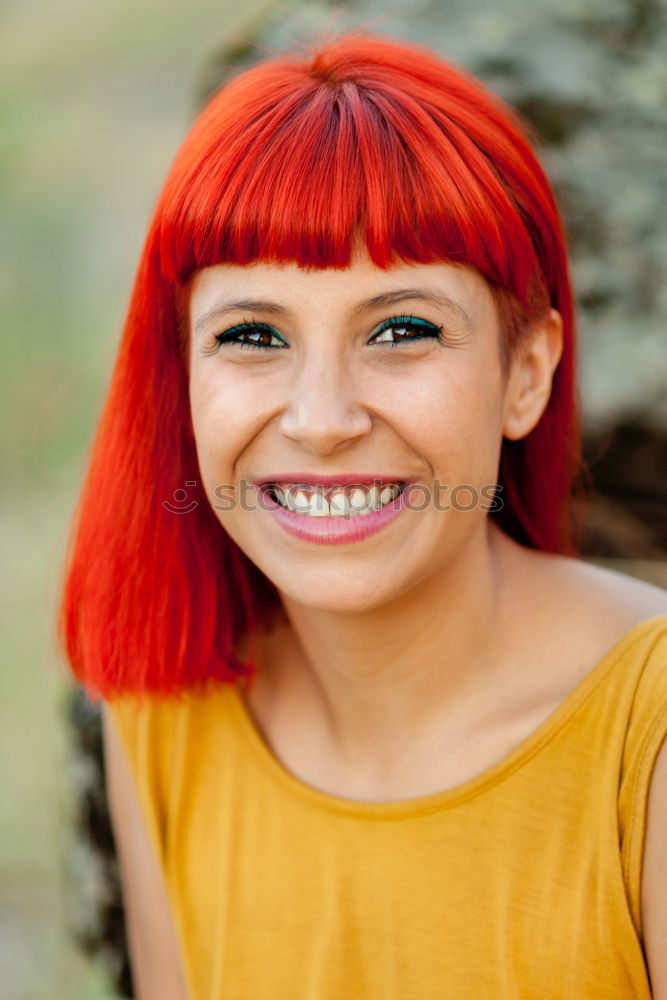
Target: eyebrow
(383,299)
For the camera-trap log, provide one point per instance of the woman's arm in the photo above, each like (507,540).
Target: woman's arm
(654,878)
(152,941)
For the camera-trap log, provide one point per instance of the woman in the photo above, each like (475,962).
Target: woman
(372,728)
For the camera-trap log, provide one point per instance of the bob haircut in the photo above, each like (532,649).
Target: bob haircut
(288,161)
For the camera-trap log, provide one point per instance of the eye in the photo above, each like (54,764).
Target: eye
(408,328)
(260,332)
(259,335)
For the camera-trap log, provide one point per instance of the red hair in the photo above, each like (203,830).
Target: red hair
(287,162)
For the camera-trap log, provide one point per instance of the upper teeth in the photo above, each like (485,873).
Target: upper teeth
(341,500)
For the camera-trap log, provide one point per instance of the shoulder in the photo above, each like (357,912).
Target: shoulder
(654,875)
(571,609)
(145,718)
(605,587)
(143,731)
(593,606)
(620,591)
(149,919)
(617,604)
(612,604)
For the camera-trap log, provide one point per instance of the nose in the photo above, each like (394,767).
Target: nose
(322,414)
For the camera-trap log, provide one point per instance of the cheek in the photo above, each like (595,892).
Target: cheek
(222,420)
(454,423)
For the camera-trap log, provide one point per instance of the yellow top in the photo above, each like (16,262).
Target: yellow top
(522,882)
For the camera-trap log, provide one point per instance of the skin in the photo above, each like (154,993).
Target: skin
(393,654)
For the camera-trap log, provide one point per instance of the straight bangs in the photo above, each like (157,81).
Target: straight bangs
(296,160)
(294,163)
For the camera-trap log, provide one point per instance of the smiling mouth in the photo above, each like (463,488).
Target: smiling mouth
(335,501)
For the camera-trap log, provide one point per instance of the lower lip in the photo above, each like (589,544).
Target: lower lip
(335,530)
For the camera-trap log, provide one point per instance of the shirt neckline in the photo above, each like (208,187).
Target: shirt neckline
(456,794)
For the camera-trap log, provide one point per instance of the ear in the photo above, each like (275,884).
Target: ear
(529,382)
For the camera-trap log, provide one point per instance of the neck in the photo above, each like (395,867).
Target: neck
(368,678)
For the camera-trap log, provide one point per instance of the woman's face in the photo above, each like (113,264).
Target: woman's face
(345,386)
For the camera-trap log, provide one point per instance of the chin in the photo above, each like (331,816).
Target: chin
(344,592)
(336,604)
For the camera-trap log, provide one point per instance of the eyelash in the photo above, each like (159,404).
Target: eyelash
(426,330)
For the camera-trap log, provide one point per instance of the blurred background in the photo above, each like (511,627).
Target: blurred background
(95,100)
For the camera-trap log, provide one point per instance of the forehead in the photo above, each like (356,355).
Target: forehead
(339,288)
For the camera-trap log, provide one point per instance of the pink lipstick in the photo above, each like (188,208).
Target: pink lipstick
(341,530)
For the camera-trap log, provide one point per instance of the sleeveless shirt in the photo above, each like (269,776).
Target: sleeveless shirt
(521,883)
